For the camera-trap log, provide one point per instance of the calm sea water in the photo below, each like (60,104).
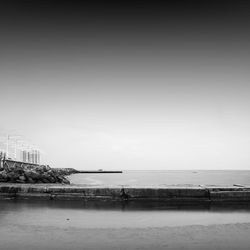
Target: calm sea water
(66,214)
(164,178)
(63,225)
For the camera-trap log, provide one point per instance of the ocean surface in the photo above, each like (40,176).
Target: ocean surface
(115,215)
(164,178)
(63,225)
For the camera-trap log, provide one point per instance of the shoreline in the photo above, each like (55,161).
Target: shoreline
(170,194)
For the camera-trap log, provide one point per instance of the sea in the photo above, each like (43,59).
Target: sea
(62,225)
(164,178)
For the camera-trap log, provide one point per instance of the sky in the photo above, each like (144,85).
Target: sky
(128,86)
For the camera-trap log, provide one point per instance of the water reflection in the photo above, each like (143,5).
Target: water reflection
(14,205)
(126,214)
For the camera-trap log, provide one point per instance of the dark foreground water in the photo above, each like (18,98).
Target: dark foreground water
(78,225)
(163,178)
(115,215)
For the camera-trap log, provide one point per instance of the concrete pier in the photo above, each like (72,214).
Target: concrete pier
(175,194)
(98,172)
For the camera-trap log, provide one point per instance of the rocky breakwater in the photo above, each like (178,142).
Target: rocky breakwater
(32,174)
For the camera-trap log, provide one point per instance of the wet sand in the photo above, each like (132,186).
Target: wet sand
(228,236)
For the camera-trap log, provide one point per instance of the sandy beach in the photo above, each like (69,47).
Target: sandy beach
(227,236)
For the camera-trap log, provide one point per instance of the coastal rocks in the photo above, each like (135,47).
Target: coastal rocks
(3,176)
(31,174)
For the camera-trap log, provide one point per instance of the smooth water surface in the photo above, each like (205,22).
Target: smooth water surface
(163,178)
(62,225)
(66,214)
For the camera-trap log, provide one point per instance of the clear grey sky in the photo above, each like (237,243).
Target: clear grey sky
(129,87)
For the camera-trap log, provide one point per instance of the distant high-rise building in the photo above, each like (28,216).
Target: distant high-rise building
(24,156)
(38,157)
(21,155)
(29,156)
(32,156)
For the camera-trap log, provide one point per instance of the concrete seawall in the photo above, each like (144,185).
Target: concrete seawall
(170,194)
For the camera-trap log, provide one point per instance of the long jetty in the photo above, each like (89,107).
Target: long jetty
(98,172)
(170,194)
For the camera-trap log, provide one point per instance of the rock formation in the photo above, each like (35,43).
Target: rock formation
(25,173)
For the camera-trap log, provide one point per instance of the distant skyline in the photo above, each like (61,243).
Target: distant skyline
(119,86)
